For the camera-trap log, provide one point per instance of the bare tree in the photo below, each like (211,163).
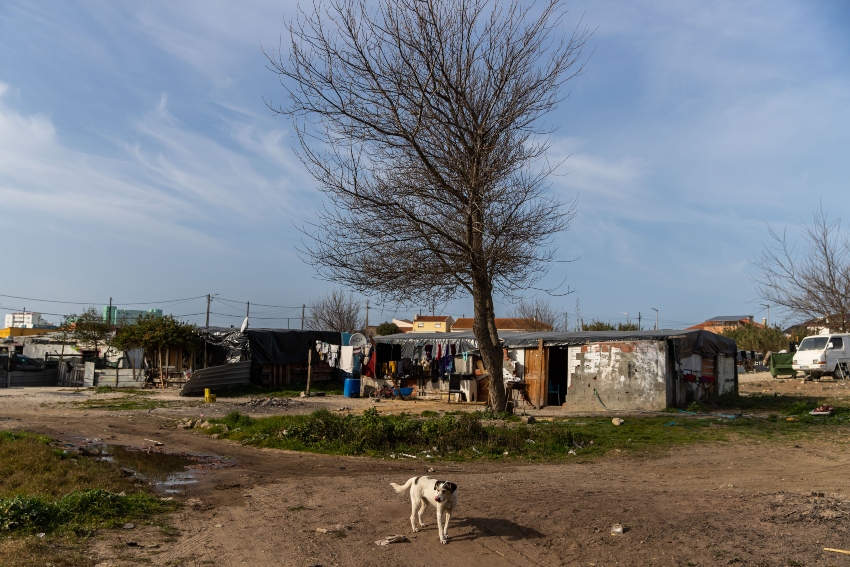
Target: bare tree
(336,311)
(422,121)
(810,279)
(538,314)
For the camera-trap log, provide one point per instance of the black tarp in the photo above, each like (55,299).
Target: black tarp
(285,346)
(263,346)
(704,343)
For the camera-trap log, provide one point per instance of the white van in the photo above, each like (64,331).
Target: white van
(818,355)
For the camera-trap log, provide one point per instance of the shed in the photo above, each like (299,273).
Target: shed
(613,370)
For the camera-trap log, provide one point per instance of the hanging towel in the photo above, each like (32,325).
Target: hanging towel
(346,359)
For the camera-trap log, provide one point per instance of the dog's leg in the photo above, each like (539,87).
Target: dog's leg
(440,524)
(413,504)
(446,525)
(422,505)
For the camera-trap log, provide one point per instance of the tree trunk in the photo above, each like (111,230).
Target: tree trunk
(484,327)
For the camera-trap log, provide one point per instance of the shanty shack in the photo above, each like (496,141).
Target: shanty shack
(578,371)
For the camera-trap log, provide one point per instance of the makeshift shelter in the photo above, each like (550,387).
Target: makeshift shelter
(277,356)
(580,371)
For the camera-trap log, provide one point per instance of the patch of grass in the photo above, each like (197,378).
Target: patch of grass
(128,403)
(429,413)
(293,390)
(30,551)
(111,390)
(44,489)
(79,512)
(462,436)
(296,508)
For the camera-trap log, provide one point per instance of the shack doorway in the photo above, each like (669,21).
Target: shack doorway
(558,375)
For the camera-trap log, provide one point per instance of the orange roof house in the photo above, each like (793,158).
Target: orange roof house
(505,324)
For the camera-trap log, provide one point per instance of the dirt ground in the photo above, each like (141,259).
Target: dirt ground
(767,504)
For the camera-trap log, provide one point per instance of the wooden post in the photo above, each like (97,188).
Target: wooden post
(309,369)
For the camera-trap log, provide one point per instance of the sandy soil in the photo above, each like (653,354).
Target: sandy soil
(768,504)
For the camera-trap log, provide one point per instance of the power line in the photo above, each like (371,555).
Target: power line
(99,302)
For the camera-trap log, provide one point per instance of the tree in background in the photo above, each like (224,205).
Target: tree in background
(810,280)
(89,328)
(153,334)
(387,328)
(757,338)
(336,311)
(596,325)
(423,123)
(539,315)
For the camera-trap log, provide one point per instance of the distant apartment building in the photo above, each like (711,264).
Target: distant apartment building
(126,316)
(27,320)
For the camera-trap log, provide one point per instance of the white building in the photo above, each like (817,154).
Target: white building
(27,320)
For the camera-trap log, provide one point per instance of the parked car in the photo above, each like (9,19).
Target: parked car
(21,363)
(819,355)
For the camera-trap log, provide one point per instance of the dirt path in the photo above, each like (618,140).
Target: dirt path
(724,504)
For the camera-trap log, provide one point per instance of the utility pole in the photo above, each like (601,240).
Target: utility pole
(109,316)
(303,309)
(656,317)
(639,329)
(566,321)
(207,324)
(366,325)
(247,311)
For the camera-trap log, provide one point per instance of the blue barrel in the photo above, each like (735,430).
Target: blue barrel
(351,388)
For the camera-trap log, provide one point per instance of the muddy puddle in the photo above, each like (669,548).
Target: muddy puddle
(168,472)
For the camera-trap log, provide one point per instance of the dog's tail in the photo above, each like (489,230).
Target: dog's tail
(402,487)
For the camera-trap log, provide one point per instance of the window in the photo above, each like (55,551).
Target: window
(436,325)
(813,343)
(837,343)
(420,325)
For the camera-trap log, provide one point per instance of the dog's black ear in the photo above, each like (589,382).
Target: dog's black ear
(452,486)
(436,484)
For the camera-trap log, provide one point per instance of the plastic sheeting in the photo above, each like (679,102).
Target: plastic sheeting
(266,346)
(700,342)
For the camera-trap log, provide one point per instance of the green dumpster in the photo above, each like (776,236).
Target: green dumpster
(780,364)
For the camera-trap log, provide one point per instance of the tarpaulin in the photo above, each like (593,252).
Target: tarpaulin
(285,346)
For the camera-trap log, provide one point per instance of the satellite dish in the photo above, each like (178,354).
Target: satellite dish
(244,325)
(357,340)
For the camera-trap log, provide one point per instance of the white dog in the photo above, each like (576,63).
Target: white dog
(442,494)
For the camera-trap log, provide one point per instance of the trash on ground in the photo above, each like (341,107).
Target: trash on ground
(822,410)
(617,529)
(618,421)
(398,538)
(337,529)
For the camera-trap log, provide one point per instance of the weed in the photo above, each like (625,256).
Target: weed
(429,413)
(296,508)
(461,436)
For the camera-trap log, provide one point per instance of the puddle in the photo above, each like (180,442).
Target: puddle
(169,472)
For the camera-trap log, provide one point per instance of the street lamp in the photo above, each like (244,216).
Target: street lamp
(656,317)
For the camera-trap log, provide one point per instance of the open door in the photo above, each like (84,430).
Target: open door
(536,375)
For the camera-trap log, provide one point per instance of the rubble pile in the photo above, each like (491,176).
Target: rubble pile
(190,423)
(272,402)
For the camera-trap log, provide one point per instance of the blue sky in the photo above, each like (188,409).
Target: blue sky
(138,160)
